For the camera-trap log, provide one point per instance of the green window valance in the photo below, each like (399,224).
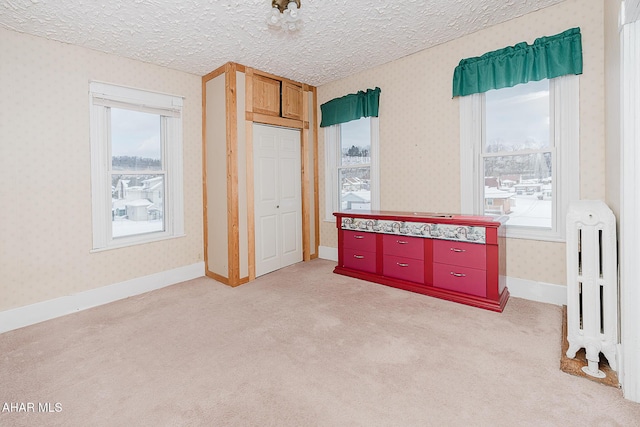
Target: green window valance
(546,58)
(350,107)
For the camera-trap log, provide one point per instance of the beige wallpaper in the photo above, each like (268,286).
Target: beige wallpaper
(45,190)
(419,125)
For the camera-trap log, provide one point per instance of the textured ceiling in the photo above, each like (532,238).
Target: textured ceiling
(339,37)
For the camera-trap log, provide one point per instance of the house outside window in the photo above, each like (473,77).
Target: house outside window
(136,170)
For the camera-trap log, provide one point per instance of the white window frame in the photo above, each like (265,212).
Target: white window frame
(103,96)
(565,94)
(332,157)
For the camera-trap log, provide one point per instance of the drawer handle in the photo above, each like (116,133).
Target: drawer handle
(458,250)
(358,236)
(359,256)
(458,274)
(402,264)
(401,242)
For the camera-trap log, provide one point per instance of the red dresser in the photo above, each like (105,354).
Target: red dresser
(460,258)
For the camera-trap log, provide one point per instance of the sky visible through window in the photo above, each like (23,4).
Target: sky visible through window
(135,134)
(356,132)
(518,117)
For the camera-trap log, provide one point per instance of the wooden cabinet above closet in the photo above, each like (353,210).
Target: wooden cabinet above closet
(291,100)
(277,97)
(266,95)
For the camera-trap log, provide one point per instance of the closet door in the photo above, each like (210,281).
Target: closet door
(277,198)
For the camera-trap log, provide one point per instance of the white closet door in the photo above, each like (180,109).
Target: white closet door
(277,198)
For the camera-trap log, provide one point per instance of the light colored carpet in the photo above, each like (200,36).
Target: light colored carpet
(300,347)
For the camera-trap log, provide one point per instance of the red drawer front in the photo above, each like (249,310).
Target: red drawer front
(360,260)
(359,240)
(410,247)
(472,255)
(403,268)
(461,279)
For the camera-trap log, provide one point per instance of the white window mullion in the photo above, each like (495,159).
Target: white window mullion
(515,153)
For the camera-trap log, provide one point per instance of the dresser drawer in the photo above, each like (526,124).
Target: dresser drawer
(359,240)
(409,247)
(359,260)
(403,268)
(472,255)
(460,279)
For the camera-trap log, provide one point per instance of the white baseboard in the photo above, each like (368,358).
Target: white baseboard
(518,288)
(39,312)
(325,252)
(537,291)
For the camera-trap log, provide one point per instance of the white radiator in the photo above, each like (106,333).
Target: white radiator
(592,284)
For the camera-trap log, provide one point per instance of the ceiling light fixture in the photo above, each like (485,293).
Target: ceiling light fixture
(285,14)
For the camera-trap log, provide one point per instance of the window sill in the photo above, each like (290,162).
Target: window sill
(137,242)
(532,234)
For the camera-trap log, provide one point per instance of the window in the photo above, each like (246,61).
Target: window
(519,155)
(136,166)
(351,166)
